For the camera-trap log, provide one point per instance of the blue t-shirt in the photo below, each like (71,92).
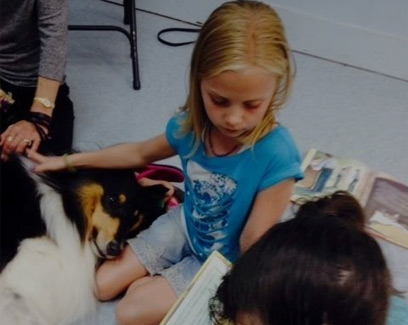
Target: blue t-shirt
(220,191)
(398,312)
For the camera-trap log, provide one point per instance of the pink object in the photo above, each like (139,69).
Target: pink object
(161,172)
(172,203)
(165,173)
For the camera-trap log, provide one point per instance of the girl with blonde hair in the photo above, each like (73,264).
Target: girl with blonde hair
(240,164)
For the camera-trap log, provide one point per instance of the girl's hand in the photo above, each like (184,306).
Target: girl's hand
(18,138)
(46,163)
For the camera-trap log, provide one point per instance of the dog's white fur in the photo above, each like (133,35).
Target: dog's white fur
(51,279)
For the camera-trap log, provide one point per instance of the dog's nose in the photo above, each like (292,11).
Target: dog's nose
(113,248)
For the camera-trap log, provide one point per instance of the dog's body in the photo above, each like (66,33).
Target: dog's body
(46,284)
(86,215)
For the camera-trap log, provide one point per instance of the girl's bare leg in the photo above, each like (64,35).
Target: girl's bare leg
(146,302)
(114,276)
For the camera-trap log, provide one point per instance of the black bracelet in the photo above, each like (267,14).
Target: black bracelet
(39,118)
(40,121)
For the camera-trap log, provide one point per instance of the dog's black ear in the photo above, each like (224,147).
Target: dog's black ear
(155,191)
(27,166)
(152,205)
(26,163)
(51,179)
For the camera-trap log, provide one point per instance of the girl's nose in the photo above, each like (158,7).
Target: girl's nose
(233,117)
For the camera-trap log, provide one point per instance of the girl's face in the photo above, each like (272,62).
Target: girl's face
(236,101)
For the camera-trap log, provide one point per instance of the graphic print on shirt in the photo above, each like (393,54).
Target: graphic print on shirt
(212,196)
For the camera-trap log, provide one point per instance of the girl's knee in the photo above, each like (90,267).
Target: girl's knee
(105,286)
(101,291)
(146,302)
(130,313)
(114,276)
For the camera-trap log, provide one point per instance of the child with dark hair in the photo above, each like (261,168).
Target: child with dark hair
(320,268)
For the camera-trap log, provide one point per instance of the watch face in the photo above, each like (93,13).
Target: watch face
(47,102)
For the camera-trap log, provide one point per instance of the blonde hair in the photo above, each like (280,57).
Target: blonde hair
(238,35)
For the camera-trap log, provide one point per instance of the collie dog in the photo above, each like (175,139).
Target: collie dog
(85,216)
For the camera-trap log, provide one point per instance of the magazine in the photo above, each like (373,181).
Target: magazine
(384,199)
(192,305)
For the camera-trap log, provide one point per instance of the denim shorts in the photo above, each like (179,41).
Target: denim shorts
(164,250)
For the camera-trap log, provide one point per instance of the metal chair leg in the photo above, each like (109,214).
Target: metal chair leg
(127,11)
(129,18)
(130,5)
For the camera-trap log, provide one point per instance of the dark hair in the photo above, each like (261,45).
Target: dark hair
(340,204)
(318,268)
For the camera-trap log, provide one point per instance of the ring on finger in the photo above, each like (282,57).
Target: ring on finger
(28,142)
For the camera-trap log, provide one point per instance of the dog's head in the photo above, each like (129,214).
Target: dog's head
(113,206)
(106,206)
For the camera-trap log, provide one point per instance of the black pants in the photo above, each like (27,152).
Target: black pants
(19,218)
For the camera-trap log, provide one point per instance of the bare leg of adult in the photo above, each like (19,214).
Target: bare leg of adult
(114,276)
(146,302)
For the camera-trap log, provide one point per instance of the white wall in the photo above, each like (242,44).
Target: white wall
(371,34)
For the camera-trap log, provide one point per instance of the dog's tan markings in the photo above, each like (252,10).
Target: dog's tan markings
(104,223)
(96,217)
(90,195)
(122,198)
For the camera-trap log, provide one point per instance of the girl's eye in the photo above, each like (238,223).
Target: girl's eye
(252,105)
(219,101)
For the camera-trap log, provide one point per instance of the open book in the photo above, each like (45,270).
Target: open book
(192,305)
(384,199)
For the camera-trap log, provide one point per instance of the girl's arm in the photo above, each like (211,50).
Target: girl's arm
(268,208)
(127,155)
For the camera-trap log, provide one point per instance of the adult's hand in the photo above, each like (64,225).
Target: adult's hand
(18,138)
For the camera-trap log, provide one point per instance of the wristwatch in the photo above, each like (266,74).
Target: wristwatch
(45,102)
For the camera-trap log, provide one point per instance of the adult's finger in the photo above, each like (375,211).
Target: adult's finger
(10,143)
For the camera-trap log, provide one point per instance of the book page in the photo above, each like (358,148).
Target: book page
(387,210)
(384,199)
(326,173)
(192,306)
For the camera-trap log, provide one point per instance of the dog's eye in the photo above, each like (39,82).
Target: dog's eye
(112,201)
